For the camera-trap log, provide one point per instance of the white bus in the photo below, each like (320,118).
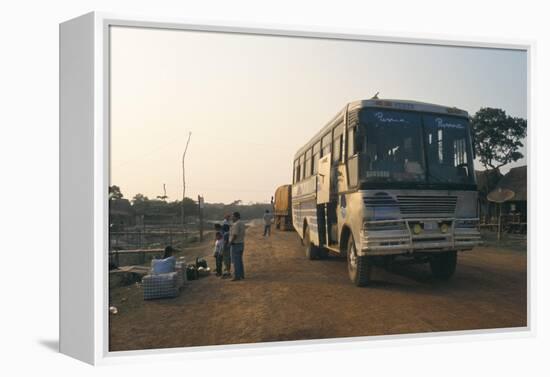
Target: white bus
(388,179)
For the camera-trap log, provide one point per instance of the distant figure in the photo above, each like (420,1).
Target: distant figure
(236,238)
(218,229)
(218,253)
(226,247)
(268,219)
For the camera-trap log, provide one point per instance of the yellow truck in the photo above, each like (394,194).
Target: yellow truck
(282,207)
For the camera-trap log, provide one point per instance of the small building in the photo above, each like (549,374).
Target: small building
(516,181)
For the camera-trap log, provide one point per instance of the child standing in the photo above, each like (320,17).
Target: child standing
(218,253)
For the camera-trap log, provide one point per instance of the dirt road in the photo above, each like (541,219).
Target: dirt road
(286,297)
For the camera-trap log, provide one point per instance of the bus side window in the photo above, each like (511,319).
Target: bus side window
(307,168)
(301,168)
(337,143)
(326,143)
(315,158)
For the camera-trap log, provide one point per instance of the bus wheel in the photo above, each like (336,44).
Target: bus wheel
(312,252)
(443,265)
(359,267)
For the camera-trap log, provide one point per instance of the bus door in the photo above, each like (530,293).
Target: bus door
(323,180)
(326,210)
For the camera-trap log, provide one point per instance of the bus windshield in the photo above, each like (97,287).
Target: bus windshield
(448,149)
(392,150)
(395,146)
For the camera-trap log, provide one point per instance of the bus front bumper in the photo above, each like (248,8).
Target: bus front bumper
(399,237)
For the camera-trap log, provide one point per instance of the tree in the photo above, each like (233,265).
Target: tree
(190,207)
(164,196)
(498,137)
(115,193)
(139,198)
(140,203)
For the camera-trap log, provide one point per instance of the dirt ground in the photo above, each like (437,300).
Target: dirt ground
(287,297)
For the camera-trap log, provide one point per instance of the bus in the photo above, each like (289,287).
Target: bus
(386,181)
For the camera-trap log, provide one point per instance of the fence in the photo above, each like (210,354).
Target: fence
(510,223)
(136,245)
(152,236)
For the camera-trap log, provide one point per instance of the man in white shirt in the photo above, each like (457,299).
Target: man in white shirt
(268,219)
(236,240)
(226,247)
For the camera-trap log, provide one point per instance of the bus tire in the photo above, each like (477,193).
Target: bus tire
(312,252)
(322,253)
(359,267)
(443,265)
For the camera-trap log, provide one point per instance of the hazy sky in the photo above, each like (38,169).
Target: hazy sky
(251,101)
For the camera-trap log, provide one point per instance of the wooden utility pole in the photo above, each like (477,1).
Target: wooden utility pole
(183,176)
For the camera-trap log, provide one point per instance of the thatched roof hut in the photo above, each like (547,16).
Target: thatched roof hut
(515,180)
(491,180)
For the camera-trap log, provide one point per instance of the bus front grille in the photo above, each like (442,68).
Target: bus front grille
(426,205)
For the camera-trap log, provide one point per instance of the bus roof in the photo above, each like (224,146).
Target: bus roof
(395,104)
(399,104)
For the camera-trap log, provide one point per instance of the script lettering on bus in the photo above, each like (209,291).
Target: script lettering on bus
(440,123)
(383,119)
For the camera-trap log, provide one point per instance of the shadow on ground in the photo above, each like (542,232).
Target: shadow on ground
(52,345)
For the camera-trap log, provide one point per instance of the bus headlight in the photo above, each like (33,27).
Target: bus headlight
(417,228)
(444,228)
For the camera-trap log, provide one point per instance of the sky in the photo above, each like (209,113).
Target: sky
(250,102)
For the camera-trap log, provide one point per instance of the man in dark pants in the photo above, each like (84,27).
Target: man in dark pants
(236,239)
(226,247)
(268,219)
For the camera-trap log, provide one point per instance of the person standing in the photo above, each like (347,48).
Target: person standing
(218,252)
(268,219)
(226,253)
(236,238)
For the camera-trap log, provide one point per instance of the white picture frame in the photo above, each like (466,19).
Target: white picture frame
(84,177)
